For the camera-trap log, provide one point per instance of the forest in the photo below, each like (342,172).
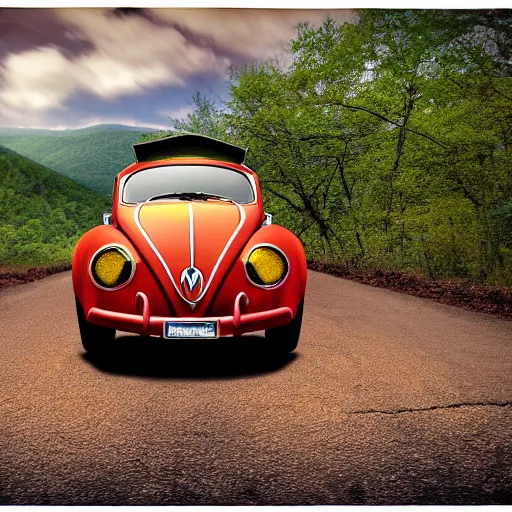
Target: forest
(42,214)
(383,144)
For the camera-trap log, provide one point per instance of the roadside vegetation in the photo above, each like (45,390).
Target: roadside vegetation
(42,214)
(386,144)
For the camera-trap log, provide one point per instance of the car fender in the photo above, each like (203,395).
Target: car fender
(288,293)
(123,299)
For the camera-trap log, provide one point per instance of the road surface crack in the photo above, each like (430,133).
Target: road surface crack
(434,408)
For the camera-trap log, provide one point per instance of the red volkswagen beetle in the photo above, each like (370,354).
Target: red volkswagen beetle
(188,252)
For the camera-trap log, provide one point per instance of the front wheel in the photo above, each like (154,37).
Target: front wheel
(95,339)
(285,338)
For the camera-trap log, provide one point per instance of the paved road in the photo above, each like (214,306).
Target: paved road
(390,399)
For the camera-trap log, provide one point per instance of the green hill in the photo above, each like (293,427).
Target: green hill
(42,214)
(91,156)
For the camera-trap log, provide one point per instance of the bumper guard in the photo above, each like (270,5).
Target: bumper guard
(147,325)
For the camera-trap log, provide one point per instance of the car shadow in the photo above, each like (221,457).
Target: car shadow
(224,358)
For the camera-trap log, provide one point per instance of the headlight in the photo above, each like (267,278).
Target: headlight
(266,266)
(112,267)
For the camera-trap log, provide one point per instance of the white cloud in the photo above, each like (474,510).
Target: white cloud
(35,79)
(129,55)
(177,113)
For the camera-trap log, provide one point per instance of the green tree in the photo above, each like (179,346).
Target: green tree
(386,143)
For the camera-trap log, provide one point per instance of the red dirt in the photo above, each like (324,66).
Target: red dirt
(492,300)
(11,277)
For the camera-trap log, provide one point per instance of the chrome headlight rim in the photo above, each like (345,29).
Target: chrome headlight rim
(283,257)
(125,252)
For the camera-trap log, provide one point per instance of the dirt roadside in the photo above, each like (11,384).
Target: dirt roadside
(492,300)
(12,276)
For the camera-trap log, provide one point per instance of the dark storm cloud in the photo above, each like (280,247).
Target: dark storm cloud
(24,29)
(127,11)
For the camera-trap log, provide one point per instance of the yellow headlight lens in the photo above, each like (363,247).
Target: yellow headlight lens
(111,267)
(266,266)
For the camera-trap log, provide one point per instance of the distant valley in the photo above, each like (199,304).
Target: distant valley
(91,156)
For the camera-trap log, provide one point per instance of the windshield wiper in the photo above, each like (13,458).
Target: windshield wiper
(206,196)
(169,195)
(189,196)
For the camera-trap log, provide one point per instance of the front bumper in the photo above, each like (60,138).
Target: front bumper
(147,325)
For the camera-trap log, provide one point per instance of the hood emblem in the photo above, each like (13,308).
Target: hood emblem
(191,283)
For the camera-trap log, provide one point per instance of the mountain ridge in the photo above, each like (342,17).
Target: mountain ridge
(91,156)
(9,130)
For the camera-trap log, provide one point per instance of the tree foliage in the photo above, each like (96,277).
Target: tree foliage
(386,143)
(42,214)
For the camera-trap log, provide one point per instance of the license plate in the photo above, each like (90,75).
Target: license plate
(190,329)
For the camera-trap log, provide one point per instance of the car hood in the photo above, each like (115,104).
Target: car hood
(189,246)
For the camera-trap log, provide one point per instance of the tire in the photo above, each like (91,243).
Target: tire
(95,339)
(284,339)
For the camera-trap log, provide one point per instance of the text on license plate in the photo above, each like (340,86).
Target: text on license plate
(190,329)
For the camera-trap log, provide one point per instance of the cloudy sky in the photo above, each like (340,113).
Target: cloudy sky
(78,67)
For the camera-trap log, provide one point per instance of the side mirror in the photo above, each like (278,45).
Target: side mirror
(268,219)
(107,219)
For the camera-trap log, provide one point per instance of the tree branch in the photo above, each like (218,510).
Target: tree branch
(288,200)
(376,114)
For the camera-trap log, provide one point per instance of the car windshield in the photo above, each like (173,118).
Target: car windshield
(175,179)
